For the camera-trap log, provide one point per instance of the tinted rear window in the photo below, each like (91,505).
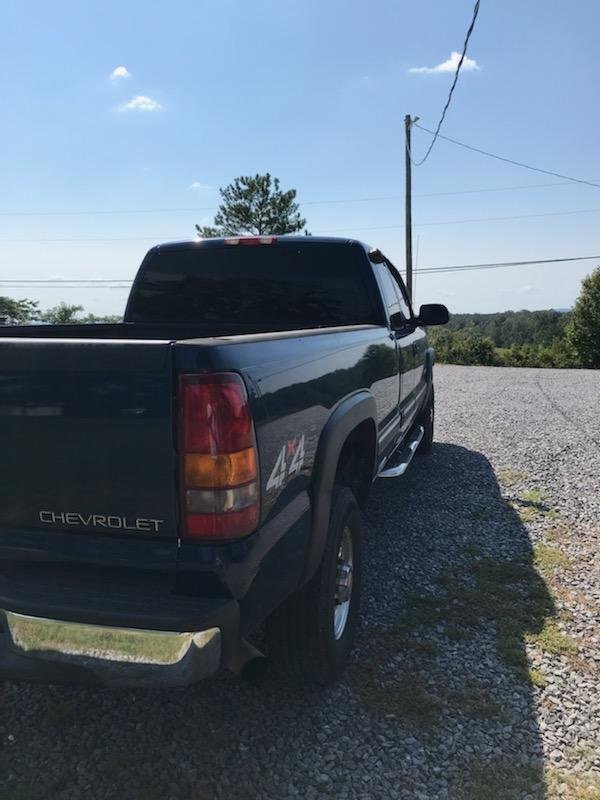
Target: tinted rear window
(272,287)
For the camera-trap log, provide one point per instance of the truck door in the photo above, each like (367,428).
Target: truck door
(410,342)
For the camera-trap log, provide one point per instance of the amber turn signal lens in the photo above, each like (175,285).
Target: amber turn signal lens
(220,471)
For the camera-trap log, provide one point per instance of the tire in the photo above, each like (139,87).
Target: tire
(301,633)
(427,420)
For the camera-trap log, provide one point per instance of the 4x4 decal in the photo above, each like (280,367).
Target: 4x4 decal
(289,462)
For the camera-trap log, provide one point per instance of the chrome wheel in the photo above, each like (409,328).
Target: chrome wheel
(343,584)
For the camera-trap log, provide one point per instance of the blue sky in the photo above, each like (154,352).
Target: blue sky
(315,93)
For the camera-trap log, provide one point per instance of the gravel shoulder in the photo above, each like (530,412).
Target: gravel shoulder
(477,671)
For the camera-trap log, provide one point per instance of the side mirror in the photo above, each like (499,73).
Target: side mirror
(432,314)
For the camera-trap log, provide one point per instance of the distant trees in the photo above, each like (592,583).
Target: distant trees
(255,205)
(583,332)
(62,314)
(515,327)
(468,346)
(18,310)
(27,311)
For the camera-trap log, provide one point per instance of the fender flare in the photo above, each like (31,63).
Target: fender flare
(347,416)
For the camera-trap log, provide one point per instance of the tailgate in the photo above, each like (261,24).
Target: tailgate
(87,439)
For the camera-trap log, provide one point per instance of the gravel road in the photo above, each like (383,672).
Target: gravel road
(476,674)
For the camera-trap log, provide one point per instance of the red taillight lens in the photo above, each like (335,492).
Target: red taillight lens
(216,414)
(218,463)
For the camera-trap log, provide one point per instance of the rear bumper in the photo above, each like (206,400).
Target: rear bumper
(54,650)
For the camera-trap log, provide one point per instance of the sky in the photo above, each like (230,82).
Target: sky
(151,107)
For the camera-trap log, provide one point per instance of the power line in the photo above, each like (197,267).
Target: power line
(469,220)
(452,87)
(498,264)
(463,221)
(508,160)
(339,201)
(100,283)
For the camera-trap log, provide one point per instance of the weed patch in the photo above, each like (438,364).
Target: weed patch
(534,496)
(508,477)
(552,640)
(509,598)
(500,781)
(547,558)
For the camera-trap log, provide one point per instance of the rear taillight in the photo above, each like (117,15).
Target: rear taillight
(219,465)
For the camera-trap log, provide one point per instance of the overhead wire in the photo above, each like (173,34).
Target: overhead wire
(123,283)
(451,92)
(487,153)
(428,223)
(338,201)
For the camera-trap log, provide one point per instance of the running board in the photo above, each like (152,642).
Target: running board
(406,456)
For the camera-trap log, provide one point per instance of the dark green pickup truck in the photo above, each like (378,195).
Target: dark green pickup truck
(171,483)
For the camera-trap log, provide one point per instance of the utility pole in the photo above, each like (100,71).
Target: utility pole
(408,206)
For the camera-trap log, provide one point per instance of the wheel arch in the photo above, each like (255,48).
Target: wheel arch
(347,449)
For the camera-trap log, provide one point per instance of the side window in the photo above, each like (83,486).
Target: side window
(398,283)
(388,289)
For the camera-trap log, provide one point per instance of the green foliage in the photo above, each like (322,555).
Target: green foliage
(583,332)
(18,310)
(466,346)
(255,205)
(62,314)
(515,327)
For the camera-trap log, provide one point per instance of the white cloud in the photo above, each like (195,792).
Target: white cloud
(196,186)
(141,103)
(119,72)
(450,65)
(525,289)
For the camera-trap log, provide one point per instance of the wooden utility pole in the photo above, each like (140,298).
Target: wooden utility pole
(408,208)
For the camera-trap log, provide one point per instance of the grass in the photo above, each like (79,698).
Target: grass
(534,496)
(526,513)
(403,696)
(553,640)
(497,781)
(507,598)
(508,477)
(536,678)
(548,559)
(408,696)
(573,786)
(503,780)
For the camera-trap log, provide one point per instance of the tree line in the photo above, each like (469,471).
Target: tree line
(547,338)
(25,311)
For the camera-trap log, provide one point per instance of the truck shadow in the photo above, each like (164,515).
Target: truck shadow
(439,700)
(457,600)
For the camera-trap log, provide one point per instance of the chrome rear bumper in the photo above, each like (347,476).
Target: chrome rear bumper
(116,656)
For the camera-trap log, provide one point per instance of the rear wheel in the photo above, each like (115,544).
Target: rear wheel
(311,635)
(427,420)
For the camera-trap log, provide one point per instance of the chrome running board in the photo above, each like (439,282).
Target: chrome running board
(406,456)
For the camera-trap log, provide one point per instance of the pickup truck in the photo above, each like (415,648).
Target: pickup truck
(174,483)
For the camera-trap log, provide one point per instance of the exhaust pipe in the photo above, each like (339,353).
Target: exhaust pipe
(247,662)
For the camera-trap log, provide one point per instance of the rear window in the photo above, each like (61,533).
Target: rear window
(270,287)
